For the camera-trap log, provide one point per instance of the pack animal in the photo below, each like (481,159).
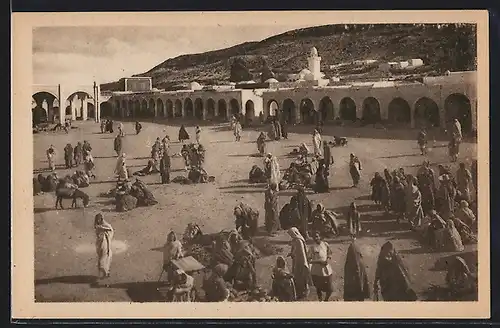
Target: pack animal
(73,194)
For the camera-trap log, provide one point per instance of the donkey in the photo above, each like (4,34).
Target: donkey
(74,194)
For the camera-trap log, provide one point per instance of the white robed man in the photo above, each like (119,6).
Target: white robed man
(272,170)
(317,143)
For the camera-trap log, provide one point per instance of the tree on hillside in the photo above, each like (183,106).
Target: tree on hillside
(266,72)
(239,71)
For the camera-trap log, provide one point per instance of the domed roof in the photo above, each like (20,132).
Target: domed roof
(314,51)
(271,80)
(195,86)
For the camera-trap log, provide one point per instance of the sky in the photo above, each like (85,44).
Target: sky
(81,55)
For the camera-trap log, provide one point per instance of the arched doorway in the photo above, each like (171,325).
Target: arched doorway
(458,106)
(272,108)
(326,109)
(198,108)
(67,111)
(235,107)
(178,108)
(169,109)
(371,111)
(222,109)
(80,102)
(160,107)
(426,113)
(152,108)
(124,109)
(90,111)
(249,112)
(307,113)
(210,108)
(144,108)
(116,110)
(42,112)
(106,110)
(188,108)
(289,111)
(399,111)
(347,109)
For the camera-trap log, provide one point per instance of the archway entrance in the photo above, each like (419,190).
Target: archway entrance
(458,106)
(272,109)
(198,108)
(399,111)
(210,108)
(235,108)
(222,109)
(288,112)
(80,103)
(130,109)
(169,109)
(160,107)
(188,108)
(178,108)
(44,109)
(371,111)
(106,110)
(307,113)
(249,112)
(144,108)
(152,108)
(426,113)
(347,109)
(326,109)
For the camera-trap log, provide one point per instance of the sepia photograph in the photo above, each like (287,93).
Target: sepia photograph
(291,160)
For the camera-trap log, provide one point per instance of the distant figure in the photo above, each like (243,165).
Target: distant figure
(271,219)
(321,271)
(355,169)
(464,182)
(121,131)
(261,143)
(272,169)
(138,127)
(165,168)
(392,278)
(68,156)
(183,135)
(356,287)
(283,286)
(77,153)
(317,143)
(51,157)
(172,250)
(284,130)
(353,221)
(237,130)
(422,142)
(303,205)
(198,134)
(277,129)
(300,265)
(103,126)
(104,238)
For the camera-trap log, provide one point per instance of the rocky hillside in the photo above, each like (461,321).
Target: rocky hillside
(442,47)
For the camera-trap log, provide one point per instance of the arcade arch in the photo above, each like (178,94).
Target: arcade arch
(371,111)
(210,108)
(188,108)
(144,108)
(326,109)
(426,113)
(198,108)
(222,109)
(235,107)
(307,113)
(169,111)
(106,109)
(272,108)
(178,108)
(347,109)
(249,111)
(152,108)
(458,106)
(160,108)
(44,110)
(289,113)
(399,111)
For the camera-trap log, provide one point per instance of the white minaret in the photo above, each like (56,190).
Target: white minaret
(314,62)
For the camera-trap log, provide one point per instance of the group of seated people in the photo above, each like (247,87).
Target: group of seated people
(131,195)
(50,183)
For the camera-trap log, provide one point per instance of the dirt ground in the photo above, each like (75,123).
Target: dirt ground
(65,260)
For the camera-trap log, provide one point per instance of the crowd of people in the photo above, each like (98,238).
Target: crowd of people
(440,207)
